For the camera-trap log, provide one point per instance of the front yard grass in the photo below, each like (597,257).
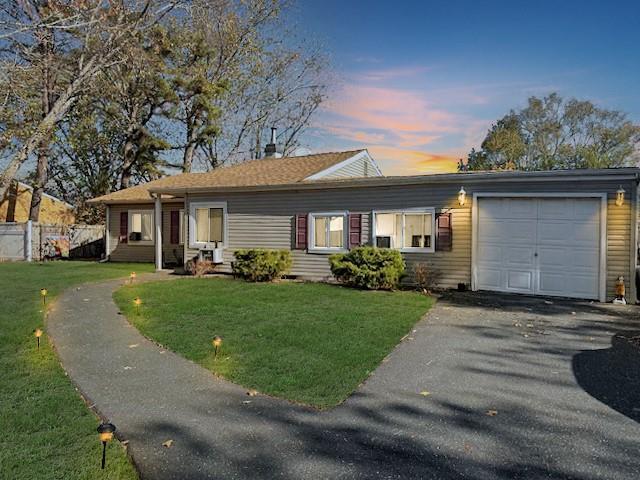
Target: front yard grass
(46,430)
(307,342)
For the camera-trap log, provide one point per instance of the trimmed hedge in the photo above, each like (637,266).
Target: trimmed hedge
(368,267)
(259,265)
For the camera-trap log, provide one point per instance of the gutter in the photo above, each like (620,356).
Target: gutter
(457,178)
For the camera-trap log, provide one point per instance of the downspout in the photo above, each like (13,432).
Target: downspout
(158,237)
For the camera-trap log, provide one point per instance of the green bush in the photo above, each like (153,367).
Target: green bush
(368,267)
(258,265)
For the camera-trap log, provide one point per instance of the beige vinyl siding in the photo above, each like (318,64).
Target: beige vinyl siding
(265,220)
(129,252)
(359,168)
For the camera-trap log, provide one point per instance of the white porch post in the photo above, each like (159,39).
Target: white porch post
(158,225)
(107,234)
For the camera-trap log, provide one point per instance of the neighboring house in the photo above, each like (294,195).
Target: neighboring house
(556,233)
(16,204)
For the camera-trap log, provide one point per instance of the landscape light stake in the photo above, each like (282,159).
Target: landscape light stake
(38,334)
(105,430)
(43,294)
(137,302)
(132,277)
(217,341)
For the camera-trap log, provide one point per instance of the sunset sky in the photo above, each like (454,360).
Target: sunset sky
(420,82)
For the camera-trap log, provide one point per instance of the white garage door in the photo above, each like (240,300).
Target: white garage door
(540,246)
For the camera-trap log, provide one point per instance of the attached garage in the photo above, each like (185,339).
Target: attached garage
(540,244)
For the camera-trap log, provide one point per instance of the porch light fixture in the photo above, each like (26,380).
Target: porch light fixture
(105,431)
(38,333)
(137,302)
(43,294)
(462,196)
(217,341)
(620,196)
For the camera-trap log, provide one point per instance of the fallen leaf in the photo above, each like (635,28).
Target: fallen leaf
(134,345)
(125,442)
(529,325)
(168,443)
(246,402)
(424,393)
(491,413)
(252,393)
(127,367)
(467,447)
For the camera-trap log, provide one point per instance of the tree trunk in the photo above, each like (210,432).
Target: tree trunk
(46,46)
(41,181)
(187,161)
(129,155)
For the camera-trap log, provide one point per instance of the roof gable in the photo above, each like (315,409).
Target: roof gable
(253,173)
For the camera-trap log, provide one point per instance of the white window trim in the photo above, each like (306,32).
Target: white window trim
(312,232)
(409,211)
(130,229)
(181,226)
(192,225)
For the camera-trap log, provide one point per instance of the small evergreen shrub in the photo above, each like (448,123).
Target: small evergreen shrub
(368,267)
(258,265)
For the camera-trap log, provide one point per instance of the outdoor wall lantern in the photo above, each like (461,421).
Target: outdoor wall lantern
(38,334)
(43,294)
(105,431)
(137,302)
(217,341)
(462,196)
(620,196)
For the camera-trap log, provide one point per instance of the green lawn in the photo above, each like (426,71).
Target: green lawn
(46,431)
(311,343)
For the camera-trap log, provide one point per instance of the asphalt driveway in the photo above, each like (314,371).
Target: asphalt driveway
(485,387)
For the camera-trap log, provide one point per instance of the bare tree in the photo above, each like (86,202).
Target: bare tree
(89,38)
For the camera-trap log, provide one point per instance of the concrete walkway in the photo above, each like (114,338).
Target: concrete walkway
(517,388)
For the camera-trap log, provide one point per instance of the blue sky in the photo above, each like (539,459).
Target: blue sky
(420,82)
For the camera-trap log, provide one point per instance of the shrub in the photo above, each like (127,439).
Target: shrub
(425,276)
(258,265)
(368,267)
(199,268)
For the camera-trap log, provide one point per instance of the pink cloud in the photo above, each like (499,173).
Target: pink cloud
(386,108)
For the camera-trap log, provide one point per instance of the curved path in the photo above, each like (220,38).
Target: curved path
(471,357)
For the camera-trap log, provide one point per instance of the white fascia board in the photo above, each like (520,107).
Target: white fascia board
(344,163)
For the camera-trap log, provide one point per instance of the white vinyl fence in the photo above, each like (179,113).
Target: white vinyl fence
(32,241)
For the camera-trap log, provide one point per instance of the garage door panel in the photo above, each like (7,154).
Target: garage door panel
(548,246)
(520,256)
(551,231)
(490,279)
(489,253)
(555,209)
(518,280)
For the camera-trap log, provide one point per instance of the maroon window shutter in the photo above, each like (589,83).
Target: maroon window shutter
(444,237)
(124,227)
(355,230)
(301,232)
(175,227)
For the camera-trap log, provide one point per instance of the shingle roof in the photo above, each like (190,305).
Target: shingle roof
(269,171)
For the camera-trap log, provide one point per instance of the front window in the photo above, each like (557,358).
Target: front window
(328,231)
(207,226)
(141,226)
(405,230)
